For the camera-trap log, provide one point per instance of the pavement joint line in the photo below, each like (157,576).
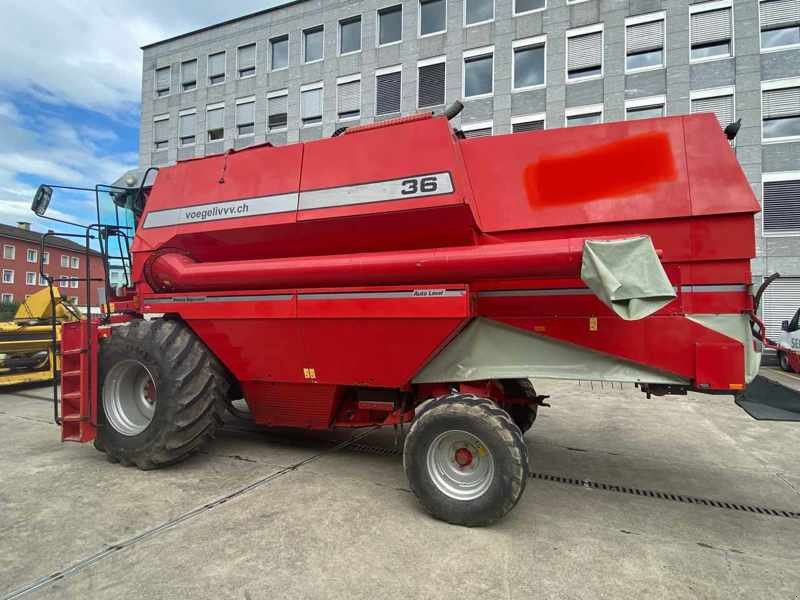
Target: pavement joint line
(167,525)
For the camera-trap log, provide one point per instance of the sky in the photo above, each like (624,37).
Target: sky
(70,90)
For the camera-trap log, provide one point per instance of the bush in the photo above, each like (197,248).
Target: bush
(8,310)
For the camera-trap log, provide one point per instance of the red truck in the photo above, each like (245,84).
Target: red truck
(398,273)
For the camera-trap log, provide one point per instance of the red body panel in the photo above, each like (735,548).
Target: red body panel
(297,299)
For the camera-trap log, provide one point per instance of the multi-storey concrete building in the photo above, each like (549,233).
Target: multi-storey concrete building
(300,71)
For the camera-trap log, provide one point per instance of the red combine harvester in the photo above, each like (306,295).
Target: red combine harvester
(398,273)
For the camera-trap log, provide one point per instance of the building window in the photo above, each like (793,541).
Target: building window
(585,53)
(215,122)
(74,262)
(313,44)
(65,261)
(45,258)
(718,101)
(390,25)
(311,104)
(74,283)
(478,11)
(780,110)
(432,17)
(74,300)
(163,77)
(645,108)
(780,204)
(350,35)
(160,132)
(584,115)
(186,126)
(478,72)
(30,278)
(473,130)
(388,86)
(9,252)
(8,276)
(246,61)
(32,255)
(348,97)
(279,47)
(526,6)
(8,298)
(42,280)
(189,75)
(216,68)
(525,123)
(430,82)
(711,30)
(277,111)
(644,42)
(780,24)
(528,70)
(246,117)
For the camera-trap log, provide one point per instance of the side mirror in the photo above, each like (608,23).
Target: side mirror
(42,200)
(785,325)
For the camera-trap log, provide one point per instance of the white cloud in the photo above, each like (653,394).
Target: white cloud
(86,53)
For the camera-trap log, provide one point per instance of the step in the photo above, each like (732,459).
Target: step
(71,396)
(72,352)
(70,374)
(73,418)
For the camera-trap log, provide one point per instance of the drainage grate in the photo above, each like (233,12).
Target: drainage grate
(610,487)
(620,489)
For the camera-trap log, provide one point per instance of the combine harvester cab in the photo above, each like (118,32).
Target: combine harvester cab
(400,273)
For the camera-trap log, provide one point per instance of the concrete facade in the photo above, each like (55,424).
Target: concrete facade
(678,81)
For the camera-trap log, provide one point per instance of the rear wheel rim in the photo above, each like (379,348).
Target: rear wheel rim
(460,465)
(129,397)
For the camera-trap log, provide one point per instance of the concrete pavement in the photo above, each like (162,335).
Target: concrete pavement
(346,526)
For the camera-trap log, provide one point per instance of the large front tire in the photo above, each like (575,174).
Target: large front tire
(161,394)
(466,460)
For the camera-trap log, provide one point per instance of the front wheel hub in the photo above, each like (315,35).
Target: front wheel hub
(129,397)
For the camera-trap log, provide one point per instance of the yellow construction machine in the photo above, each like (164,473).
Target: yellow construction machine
(26,343)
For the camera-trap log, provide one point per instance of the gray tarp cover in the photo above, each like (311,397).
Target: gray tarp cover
(627,276)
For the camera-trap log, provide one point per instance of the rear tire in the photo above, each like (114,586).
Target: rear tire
(523,415)
(161,393)
(783,361)
(466,460)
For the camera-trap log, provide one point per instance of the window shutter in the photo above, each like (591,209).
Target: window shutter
(187,125)
(585,51)
(312,103)
(781,205)
(247,56)
(779,13)
(646,36)
(162,78)
(349,97)
(216,64)
(431,85)
(781,103)
(711,26)
(214,118)
(189,72)
(780,304)
(161,130)
(277,112)
(474,133)
(721,106)
(387,93)
(527,126)
(246,113)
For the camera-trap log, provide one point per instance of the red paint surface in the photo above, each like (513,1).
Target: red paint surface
(594,173)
